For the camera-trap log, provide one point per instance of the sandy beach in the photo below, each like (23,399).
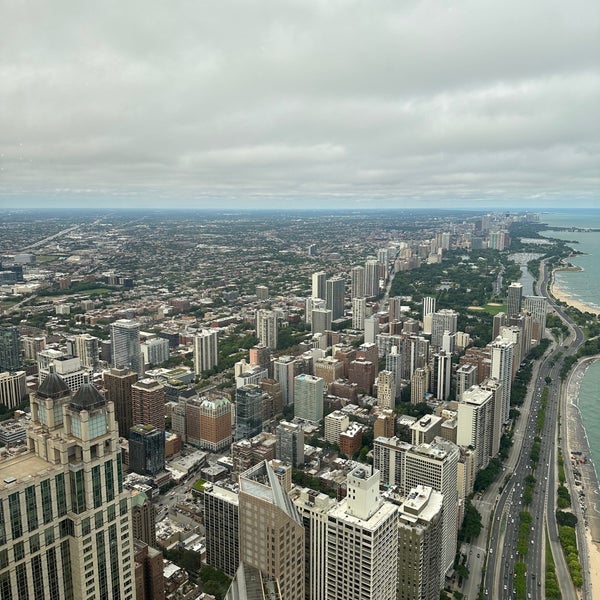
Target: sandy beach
(563,296)
(586,473)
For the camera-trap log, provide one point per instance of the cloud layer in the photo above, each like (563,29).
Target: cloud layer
(393,103)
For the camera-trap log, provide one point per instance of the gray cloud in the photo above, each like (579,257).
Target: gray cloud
(264,100)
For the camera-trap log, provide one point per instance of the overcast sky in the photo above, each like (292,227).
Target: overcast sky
(300,103)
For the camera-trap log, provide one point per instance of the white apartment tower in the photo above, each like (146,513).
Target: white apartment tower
(308,397)
(266,328)
(501,369)
(125,345)
(206,350)
(362,541)
(476,423)
(359,307)
(63,510)
(436,465)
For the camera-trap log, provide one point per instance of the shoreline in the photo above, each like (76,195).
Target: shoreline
(576,439)
(563,296)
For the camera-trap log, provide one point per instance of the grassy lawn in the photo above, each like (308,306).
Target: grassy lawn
(45,258)
(492,309)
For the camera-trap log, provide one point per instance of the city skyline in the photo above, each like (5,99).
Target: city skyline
(314,104)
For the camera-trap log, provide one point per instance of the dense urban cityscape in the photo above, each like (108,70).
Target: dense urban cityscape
(299,405)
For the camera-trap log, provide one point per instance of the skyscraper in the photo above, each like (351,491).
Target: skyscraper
(362,541)
(359,306)
(248,411)
(371,277)
(357,288)
(320,320)
(206,350)
(148,403)
(284,372)
(10,349)
(501,369)
(420,544)
(428,306)
(125,345)
(514,298)
(64,501)
(266,328)
(290,443)
(271,532)
(476,423)
(443,320)
(308,397)
(221,520)
(386,389)
(334,295)
(318,284)
(117,383)
(87,349)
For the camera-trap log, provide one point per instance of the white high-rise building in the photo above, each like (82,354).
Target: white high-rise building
(359,306)
(362,541)
(69,368)
(308,397)
(476,423)
(283,372)
(206,350)
(156,351)
(313,304)
(436,465)
(495,387)
(501,369)
(371,329)
(125,345)
(443,320)
(266,328)
(428,307)
(86,347)
(538,307)
(320,320)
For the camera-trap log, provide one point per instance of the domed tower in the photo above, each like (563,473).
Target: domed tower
(47,402)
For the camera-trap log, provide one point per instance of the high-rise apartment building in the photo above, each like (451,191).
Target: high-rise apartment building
(441,375)
(13,388)
(63,503)
(32,345)
(419,544)
(320,320)
(69,368)
(466,377)
(538,307)
(419,385)
(155,351)
(146,450)
(284,372)
(476,423)
(206,350)
(125,345)
(371,326)
(386,389)
(394,308)
(501,369)
(148,403)
(514,298)
(271,532)
(318,284)
(248,411)
(215,424)
(87,348)
(357,286)
(371,277)
(266,328)
(117,385)
(436,465)
(443,320)
(359,306)
(221,521)
(10,349)
(495,387)
(362,541)
(334,296)
(336,422)
(428,306)
(308,397)
(314,508)
(290,443)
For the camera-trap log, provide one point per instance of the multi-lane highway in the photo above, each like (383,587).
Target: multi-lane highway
(496,548)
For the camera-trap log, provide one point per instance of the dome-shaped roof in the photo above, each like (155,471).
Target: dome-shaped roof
(87,397)
(53,386)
